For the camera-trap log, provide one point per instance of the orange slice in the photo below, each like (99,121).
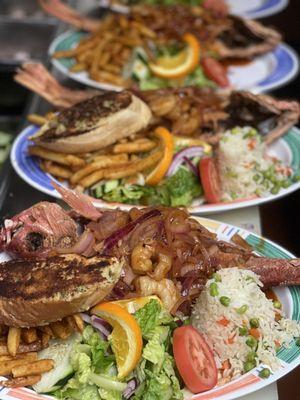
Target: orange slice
(126,337)
(162,167)
(180,65)
(134,304)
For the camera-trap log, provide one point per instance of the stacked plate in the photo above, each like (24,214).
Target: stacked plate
(257,75)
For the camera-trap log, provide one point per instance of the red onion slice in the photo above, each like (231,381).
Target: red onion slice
(180,158)
(132,385)
(86,318)
(102,326)
(114,238)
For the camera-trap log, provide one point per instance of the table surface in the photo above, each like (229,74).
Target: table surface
(266,219)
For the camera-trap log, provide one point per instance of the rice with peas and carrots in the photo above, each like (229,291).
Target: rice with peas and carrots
(243,326)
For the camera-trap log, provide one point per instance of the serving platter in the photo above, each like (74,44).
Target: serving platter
(287,149)
(250,382)
(262,74)
(256,8)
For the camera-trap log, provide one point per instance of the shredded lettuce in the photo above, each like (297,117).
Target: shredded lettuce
(178,190)
(155,371)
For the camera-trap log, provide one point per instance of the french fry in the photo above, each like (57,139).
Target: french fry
(79,322)
(36,119)
(45,339)
(61,329)
(25,356)
(138,146)
(56,170)
(78,67)
(23,381)
(23,348)
(13,340)
(122,171)
(7,366)
(46,329)
(29,335)
(60,158)
(33,368)
(102,162)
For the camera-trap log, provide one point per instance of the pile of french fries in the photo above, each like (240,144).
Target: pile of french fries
(19,349)
(104,53)
(125,159)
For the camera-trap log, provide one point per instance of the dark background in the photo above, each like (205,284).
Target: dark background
(280,219)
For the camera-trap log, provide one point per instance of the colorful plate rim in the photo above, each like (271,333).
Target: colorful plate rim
(268,8)
(28,169)
(286,63)
(250,382)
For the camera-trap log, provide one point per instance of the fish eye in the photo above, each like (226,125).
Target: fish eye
(34,241)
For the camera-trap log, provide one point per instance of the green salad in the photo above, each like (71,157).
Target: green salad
(138,70)
(86,369)
(178,190)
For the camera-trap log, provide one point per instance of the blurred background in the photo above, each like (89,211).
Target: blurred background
(25,33)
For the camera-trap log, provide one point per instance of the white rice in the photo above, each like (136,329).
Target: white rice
(243,288)
(241,157)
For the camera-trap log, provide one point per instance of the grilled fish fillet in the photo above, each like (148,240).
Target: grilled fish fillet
(94,123)
(37,292)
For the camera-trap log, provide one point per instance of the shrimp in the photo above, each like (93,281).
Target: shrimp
(165,289)
(144,257)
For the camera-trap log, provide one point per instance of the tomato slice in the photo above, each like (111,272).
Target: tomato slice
(215,71)
(210,180)
(194,359)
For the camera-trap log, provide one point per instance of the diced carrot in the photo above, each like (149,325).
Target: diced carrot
(277,344)
(255,333)
(226,364)
(231,339)
(223,321)
(277,317)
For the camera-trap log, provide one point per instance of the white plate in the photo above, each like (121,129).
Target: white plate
(250,382)
(255,9)
(27,167)
(264,73)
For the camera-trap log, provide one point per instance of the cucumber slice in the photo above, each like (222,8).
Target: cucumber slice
(59,351)
(111,185)
(140,70)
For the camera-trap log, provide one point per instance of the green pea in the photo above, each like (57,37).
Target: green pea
(213,289)
(296,178)
(251,342)
(251,356)
(275,189)
(277,304)
(298,342)
(248,365)
(265,373)
(225,301)
(267,174)
(242,309)
(243,331)
(256,178)
(285,184)
(254,323)
(217,277)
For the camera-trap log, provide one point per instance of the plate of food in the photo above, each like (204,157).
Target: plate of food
(104,304)
(254,10)
(176,147)
(146,49)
